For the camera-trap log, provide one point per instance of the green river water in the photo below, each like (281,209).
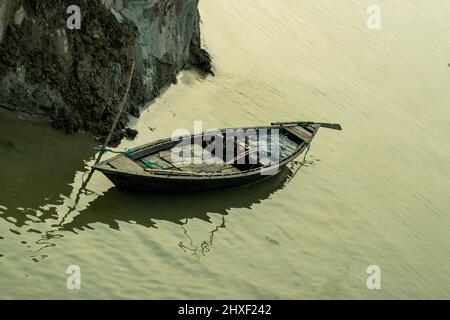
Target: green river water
(376,193)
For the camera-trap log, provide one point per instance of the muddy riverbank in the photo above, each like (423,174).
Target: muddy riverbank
(77,77)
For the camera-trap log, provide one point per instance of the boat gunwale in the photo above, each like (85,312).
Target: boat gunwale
(162,174)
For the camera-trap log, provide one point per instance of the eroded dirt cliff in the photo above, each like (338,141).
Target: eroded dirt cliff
(77,77)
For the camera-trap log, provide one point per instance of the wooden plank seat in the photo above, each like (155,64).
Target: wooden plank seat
(197,160)
(159,163)
(300,132)
(124,163)
(190,154)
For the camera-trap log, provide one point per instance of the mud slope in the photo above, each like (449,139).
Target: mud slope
(77,77)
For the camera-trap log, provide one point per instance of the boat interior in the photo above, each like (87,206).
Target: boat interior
(216,153)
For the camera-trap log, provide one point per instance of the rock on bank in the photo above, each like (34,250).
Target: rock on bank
(78,77)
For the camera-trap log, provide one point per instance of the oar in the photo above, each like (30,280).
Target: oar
(113,127)
(334,126)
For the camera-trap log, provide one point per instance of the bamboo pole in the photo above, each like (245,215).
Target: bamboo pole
(114,124)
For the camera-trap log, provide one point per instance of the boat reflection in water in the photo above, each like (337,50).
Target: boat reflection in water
(39,215)
(146,209)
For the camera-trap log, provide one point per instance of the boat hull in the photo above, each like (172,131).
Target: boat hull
(133,183)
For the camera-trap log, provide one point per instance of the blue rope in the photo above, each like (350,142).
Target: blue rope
(154,165)
(127,152)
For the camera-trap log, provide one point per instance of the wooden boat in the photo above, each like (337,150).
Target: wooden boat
(211,160)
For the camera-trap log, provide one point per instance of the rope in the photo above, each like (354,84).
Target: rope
(306,153)
(154,165)
(127,152)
